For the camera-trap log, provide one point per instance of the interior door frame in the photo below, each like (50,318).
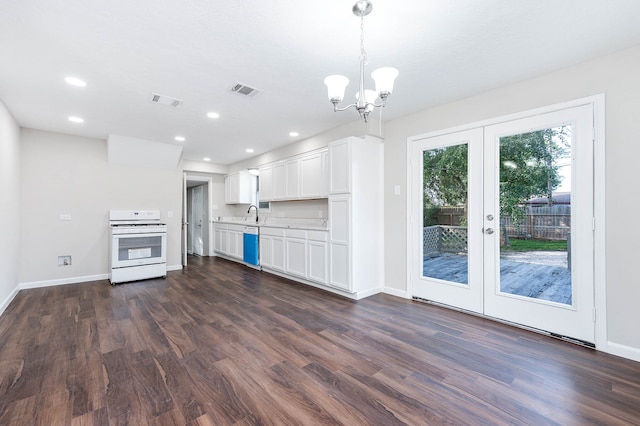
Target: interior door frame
(599,261)
(208,180)
(194,226)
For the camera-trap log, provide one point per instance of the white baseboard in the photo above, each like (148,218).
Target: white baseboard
(354,296)
(396,292)
(9,299)
(623,351)
(367,293)
(63,281)
(75,280)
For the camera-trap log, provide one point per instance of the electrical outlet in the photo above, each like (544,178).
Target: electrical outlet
(64,260)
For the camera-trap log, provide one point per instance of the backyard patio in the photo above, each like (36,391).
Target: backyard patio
(523,274)
(542,275)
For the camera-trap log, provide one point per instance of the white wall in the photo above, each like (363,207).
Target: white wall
(64,174)
(9,206)
(616,76)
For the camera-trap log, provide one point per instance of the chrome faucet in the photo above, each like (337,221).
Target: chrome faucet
(249,211)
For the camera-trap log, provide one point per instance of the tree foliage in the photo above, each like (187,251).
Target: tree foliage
(528,168)
(445,179)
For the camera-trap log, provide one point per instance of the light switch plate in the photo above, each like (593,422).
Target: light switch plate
(396,190)
(65,217)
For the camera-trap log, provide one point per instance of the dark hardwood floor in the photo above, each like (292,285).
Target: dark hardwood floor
(219,343)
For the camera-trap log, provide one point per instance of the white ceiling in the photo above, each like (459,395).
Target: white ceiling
(196,50)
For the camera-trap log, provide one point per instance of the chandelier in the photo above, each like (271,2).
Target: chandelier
(383,77)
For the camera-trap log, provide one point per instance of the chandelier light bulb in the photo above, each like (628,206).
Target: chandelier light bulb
(336,85)
(384,78)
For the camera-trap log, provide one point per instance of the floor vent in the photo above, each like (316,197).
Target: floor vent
(166,100)
(244,90)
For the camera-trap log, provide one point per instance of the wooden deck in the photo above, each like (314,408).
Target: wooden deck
(551,281)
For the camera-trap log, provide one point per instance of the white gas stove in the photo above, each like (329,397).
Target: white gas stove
(138,245)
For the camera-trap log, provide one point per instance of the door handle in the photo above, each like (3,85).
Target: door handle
(488,231)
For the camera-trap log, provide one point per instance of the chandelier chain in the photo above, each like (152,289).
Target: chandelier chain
(363,53)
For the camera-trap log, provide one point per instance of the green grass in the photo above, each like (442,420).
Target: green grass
(535,245)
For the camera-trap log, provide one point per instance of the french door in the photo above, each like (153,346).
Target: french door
(505,221)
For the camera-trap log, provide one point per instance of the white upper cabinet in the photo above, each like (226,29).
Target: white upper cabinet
(292,179)
(304,176)
(340,167)
(240,188)
(266,183)
(279,181)
(313,175)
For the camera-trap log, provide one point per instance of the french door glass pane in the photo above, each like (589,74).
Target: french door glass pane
(445,202)
(535,214)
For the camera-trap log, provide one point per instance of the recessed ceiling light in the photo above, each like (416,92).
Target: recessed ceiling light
(180,138)
(76,119)
(207,159)
(294,134)
(249,150)
(75,81)
(213,115)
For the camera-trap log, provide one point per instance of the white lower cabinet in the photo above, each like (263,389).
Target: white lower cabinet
(299,253)
(317,256)
(278,254)
(266,251)
(272,248)
(228,240)
(220,238)
(340,240)
(236,242)
(296,252)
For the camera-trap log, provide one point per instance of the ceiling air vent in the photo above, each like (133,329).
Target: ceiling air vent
(244,90)
(166,100)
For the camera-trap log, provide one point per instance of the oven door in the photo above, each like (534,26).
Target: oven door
(138,249)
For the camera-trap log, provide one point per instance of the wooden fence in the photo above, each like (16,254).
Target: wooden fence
(538,223)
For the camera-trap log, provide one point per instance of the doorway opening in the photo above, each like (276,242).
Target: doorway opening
(197,229)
